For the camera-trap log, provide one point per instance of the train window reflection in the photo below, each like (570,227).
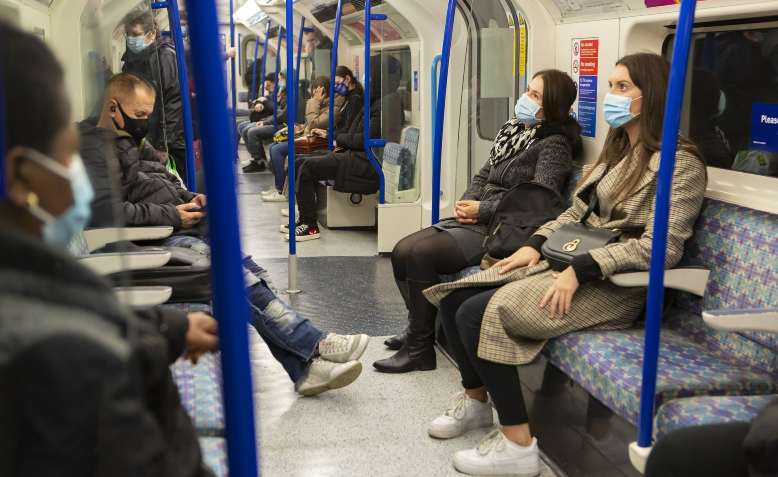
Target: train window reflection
(732,110)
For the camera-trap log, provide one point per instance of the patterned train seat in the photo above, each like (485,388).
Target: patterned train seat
(696,411)
(201,393)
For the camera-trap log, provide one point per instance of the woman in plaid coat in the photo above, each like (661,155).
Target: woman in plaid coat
(502,317)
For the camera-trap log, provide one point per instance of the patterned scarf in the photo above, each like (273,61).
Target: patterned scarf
(511,140)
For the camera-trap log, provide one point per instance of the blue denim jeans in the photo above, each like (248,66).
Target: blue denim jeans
(278,153)
(292,338)
(242,128)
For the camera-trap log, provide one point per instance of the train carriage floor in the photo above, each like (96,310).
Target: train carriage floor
(376,426)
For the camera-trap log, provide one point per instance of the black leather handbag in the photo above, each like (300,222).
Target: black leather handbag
(577,238)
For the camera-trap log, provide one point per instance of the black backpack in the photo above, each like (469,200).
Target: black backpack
(520,212)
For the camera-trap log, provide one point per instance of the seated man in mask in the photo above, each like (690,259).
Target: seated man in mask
(315,361)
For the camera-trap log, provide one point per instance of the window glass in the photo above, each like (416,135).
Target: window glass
(731,111)
(497,64)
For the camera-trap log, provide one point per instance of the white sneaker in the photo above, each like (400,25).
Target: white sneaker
(497,455)
(273,196)
(325,375)
(463,414)
(285,212)
(342,348)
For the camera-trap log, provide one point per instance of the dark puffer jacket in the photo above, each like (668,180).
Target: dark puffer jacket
(157,64)
(85,385)
(131,186)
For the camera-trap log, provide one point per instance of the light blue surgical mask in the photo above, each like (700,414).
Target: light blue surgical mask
(61,230)
(616,110)
(527,110)
(136,44)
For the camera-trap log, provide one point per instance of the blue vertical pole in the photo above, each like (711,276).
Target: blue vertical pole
(333,67)
(278,80)
(264,57)
(367,141)
(440,111)
(654,304)
(183,84)
(434,85)
(253,94)
(229,296)
(291,112)
(233,85)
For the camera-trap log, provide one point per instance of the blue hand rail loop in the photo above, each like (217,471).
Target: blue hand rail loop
(440,110)
(277,87)
(654,304)
(229,296)
(183,84)
(333,67)
(369,143)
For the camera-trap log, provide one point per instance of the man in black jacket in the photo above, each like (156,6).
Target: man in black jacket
(315,360)
(153,58)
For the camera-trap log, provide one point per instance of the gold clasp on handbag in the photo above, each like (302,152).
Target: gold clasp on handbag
(571,245)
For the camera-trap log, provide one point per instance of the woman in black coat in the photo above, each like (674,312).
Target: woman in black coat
(538,145)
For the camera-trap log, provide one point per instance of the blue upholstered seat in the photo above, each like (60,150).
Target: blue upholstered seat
(201,394)
(701,410)
(215,454)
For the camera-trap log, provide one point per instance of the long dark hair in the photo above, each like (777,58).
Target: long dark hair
(649,72)
(344,71)
(559,93)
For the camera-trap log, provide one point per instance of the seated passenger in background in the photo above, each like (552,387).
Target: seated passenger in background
(503,316)
(708,103)
(538,145)
(316,361)
(347,164)
(86,388)
(317,116)
(261,131)
(257,106)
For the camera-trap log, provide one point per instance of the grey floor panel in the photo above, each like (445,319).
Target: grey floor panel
(375,427)
(344,294)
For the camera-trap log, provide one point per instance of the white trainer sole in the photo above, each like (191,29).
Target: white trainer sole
(347,374)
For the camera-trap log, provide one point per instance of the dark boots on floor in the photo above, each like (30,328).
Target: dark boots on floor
(397,341)
(418,352)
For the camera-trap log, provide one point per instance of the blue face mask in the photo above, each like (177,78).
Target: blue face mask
(136,44)
(616,110)
(340,89)
(61,230)
(527,110)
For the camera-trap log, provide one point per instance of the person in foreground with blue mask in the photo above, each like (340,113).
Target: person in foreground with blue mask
(539,144)
(503,316)
(85,387)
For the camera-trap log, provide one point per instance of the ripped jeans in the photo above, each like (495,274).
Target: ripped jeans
(292,338)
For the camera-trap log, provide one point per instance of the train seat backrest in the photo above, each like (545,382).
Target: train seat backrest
(740,248)
(399,162)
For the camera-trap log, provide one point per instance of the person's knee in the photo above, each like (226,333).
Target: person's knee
(422,253)
(401,251)
(469,316)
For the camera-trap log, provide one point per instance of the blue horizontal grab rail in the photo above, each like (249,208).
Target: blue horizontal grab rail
(369,143)
(229,293)
(440,111)
(654,302)
(183,84)
(333,67)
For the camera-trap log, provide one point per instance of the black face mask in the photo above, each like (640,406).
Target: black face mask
(137,128)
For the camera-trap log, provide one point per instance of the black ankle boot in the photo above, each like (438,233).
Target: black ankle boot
(418,352)
(396,342)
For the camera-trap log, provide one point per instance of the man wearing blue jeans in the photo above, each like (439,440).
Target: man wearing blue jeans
(314,360)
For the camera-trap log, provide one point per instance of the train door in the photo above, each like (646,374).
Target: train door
(493,69)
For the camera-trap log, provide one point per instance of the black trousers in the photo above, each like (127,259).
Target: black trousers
(310,171)
(462,313)
(714,450)
(424,255)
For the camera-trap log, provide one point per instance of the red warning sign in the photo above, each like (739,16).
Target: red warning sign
(589,54)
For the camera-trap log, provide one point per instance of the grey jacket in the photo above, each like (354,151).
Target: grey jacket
(547,161)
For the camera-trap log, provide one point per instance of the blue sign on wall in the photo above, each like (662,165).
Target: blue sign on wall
(764,127)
